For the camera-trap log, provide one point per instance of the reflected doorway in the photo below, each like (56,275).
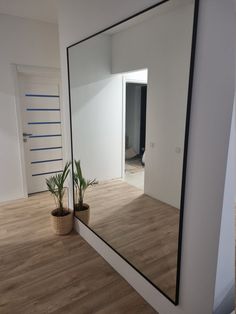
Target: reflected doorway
(135,133)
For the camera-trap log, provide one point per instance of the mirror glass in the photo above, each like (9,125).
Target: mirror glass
(128,96)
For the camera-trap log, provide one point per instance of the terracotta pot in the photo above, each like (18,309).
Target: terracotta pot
(84,214)
(62,224)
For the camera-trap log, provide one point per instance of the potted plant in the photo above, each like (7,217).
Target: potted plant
(61,217)
(82,210)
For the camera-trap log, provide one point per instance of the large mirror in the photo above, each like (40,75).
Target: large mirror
(130,104)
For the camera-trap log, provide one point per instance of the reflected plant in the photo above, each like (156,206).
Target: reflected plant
(81,185)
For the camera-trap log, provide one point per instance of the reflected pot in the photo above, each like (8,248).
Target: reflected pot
(83,214)
(62,225)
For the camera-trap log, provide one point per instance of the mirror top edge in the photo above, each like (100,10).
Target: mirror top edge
(160,8)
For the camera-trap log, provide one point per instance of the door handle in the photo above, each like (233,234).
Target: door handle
(26,134)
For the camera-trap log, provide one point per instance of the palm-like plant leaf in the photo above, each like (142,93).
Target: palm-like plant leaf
(78,170)
(56,183)
(91,182)
(80,183)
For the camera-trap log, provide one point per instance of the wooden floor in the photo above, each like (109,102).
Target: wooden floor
(133,165)
(142,229)
(44,273)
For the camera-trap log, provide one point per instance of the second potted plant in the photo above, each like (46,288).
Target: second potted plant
(82,210)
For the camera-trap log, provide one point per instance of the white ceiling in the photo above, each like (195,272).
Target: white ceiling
(42,10)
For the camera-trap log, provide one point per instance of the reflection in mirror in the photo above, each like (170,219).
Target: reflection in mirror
(128,89)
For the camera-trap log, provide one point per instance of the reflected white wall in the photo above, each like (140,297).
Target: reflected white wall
(152,44)
(140,76)
(97,99)
(96,103)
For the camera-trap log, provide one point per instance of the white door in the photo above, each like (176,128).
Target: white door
(42,132)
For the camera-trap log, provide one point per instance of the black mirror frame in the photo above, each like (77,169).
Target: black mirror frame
(188,114)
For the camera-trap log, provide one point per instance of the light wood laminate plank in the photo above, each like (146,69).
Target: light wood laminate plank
(44,273)
(142,229)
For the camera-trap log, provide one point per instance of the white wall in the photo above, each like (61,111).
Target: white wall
(24,42)
(152,44)
(140,76)
(213,92)
(96,98)
(234,117)
(225,285)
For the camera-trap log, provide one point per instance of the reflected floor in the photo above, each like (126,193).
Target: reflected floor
(134,173)
(142,229)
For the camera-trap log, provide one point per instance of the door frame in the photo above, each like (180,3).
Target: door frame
(48,72)
(126,80)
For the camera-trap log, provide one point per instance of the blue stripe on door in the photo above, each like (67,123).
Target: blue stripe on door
(45,148)
(44,135)
(44,173)
(49,122)
(42,109)
(48,160)
(41,95)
